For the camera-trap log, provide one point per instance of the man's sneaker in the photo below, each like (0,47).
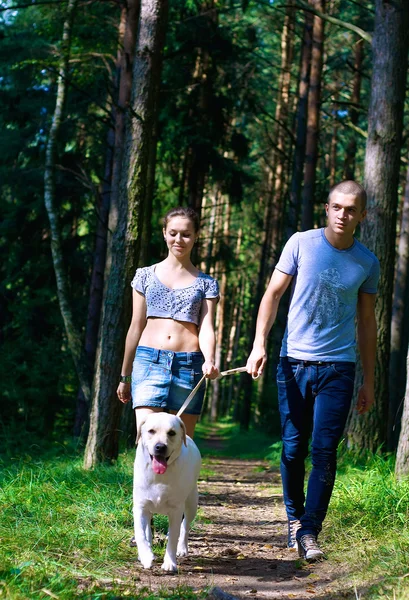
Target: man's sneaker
(293,527)
(309,549)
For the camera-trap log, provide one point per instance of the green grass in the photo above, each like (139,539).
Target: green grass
(367,526)
(64,532)
(235,443)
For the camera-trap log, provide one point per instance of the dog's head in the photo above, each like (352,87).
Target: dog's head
(162,435)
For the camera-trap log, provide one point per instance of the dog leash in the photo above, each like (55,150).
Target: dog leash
(196,388)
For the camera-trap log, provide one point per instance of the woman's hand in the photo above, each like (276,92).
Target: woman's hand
(124,392)
(210,370)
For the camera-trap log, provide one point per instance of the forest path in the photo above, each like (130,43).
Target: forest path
(239,543)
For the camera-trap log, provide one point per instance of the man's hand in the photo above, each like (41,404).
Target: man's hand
(256,361)
(366,397)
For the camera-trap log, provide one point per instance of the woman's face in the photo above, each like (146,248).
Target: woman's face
(180,236)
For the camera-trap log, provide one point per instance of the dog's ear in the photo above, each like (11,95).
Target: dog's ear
(183,426)
(139,423)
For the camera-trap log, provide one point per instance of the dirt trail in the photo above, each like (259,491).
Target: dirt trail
(239,544)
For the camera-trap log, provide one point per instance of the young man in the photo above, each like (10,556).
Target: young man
(334,279)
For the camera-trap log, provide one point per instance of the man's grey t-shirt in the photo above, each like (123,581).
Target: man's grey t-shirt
(324,296)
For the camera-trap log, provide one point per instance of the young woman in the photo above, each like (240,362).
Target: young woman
(171,342)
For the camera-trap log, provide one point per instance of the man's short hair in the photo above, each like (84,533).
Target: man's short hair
(350,187)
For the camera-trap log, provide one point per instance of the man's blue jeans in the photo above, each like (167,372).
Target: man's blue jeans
(314,399)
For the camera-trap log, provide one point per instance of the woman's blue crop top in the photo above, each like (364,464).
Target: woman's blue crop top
(181,304)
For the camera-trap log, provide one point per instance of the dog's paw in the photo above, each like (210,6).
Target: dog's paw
(169,565)
(147,559)
(182,550)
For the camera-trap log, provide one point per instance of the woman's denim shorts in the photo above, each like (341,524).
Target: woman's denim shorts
(164,379)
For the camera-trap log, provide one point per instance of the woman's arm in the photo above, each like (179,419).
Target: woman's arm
(207,338)
(133,336)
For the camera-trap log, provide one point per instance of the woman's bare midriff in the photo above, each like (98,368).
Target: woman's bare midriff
(167,334)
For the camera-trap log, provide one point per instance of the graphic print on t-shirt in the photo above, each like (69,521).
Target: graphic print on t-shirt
(325,308)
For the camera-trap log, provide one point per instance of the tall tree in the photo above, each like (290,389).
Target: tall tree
(72,330)
(399,326)
(402,456)
(125,222)
(275,176)
(300,129)
(313,118)
(382,161)
(350,153)
(119,104)
(224,224)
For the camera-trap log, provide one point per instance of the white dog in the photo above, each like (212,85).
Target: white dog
(166,470)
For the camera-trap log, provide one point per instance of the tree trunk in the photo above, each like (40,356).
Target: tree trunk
(349,163)
(273,212)
(221,312)
(402,456)
(127,35)
(332,167)
(125,224)
(382,161)
(301,130)
(282,143)
(96,288)
(73,332)
(400,327)
(313,119)
(146,233)
(81,423)
(198,159)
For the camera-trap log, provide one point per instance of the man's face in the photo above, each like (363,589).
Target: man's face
(344,212)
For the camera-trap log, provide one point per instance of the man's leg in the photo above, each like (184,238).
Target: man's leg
(296,417)
(334,389)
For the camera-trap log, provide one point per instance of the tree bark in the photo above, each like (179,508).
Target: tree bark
(349,163)
(332,166)
(402,456)
(198,156)
(221,311)
(399,327)
(313,118)
(125,224)
(73,332)
(273,209)
(96,288)
(198,159)
(81,423)
(283,145)
(301,130)
(382,160)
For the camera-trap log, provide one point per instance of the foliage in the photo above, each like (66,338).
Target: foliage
(38,391)
(218,99)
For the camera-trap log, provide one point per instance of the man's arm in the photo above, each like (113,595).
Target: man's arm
(267,313)
(367,350)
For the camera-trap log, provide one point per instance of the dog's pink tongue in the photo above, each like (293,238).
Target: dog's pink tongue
(159,465)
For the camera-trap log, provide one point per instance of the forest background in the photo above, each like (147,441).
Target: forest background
(112,112)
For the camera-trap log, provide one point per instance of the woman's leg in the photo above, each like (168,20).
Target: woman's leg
(141,413)
(189,421)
